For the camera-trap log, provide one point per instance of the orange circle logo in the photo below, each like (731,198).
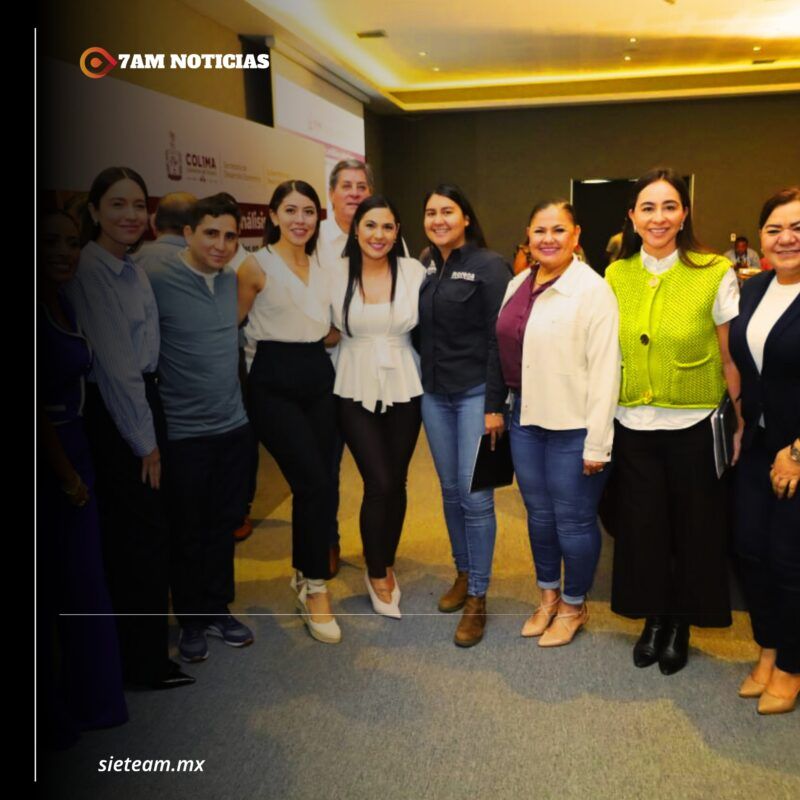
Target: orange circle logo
(96,62)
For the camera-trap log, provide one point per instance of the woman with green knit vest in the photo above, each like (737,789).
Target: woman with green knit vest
(675,302)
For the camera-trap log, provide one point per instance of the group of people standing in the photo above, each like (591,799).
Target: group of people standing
(352,341)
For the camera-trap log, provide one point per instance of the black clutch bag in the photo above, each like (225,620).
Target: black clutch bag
(492,468)
(723,424)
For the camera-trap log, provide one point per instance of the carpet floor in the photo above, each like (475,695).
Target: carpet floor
(397,712)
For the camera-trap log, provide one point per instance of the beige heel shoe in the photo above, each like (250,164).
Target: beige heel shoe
(327,632)
(564,627)
(538,622)
(751,687)
(770,704)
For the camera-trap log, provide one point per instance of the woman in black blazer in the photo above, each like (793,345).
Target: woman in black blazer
(765,344)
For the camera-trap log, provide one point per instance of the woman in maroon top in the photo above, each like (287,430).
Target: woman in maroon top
(557,337)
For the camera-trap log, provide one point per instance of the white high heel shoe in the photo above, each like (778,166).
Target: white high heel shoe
(391,609)
(327,632)
(396,593)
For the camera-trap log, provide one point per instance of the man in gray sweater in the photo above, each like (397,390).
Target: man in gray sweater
(209,438)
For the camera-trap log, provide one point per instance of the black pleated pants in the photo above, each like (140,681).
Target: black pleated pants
(671,531)
(135,536)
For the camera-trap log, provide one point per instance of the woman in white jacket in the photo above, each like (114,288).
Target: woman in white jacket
(558,341)
(375,299)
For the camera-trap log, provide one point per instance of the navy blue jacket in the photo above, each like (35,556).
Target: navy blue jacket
(775,393)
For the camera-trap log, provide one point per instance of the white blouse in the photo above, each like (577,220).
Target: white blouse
(376,361)
(772,307)
(286,310)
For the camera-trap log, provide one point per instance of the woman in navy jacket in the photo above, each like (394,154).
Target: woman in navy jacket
(765,343)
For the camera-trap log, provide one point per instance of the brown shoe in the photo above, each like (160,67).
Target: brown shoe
(333,559)
(473,622)
(453,599)
(242,532)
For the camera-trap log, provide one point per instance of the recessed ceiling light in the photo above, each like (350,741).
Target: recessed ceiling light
(423,53)
(627,58)
(436,69)
(757,48)
(633,40)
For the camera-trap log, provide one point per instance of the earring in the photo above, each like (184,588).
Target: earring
(681,226)
(635,230)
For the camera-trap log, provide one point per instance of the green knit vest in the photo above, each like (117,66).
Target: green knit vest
(670,351)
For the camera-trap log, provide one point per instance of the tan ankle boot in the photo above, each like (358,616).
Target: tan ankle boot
(473,622)
(453,599)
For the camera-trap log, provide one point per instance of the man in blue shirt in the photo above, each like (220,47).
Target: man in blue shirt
(171,217)
(209,442)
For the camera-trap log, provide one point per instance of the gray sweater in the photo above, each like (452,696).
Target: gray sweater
(199,356)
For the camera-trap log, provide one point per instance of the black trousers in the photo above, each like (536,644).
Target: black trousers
(135,536)
(671,527)
(293,412)
(767,544)
(382,446)
(252,475)
(208,491)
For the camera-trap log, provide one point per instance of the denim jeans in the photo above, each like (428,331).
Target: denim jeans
(561,503)
(454,424)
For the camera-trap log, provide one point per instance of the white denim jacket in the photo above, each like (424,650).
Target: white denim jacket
(571,358)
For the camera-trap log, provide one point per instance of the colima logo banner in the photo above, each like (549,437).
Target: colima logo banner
(97,62)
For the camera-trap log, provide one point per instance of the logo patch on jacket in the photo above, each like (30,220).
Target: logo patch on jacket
(462,276)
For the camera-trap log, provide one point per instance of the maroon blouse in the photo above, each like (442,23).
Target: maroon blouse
(511,323)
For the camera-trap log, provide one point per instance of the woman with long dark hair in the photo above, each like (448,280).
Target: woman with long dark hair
(676,301)
(285,295)
(376,305)
(125,422)
(464,395)
(765,343)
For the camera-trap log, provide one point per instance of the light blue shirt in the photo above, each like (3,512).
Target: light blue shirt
(117,311)
(160,252)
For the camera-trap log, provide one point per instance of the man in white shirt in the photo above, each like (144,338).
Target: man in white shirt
(742,255)
(351,181)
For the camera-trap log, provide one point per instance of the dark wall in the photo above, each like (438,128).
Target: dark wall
(373,144)
(739,149)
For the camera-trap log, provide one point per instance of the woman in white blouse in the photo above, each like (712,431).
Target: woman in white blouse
(285,295)
(375,300)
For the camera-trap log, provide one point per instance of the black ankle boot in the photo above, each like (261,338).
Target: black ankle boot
(675,652)
(648,649)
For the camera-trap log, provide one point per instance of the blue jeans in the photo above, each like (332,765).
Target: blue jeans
(561,503)
(454,424)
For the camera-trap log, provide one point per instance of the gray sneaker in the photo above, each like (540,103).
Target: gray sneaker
(230,630)
(192,645)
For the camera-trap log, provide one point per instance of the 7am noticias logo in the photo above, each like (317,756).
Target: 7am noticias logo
(97,62)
